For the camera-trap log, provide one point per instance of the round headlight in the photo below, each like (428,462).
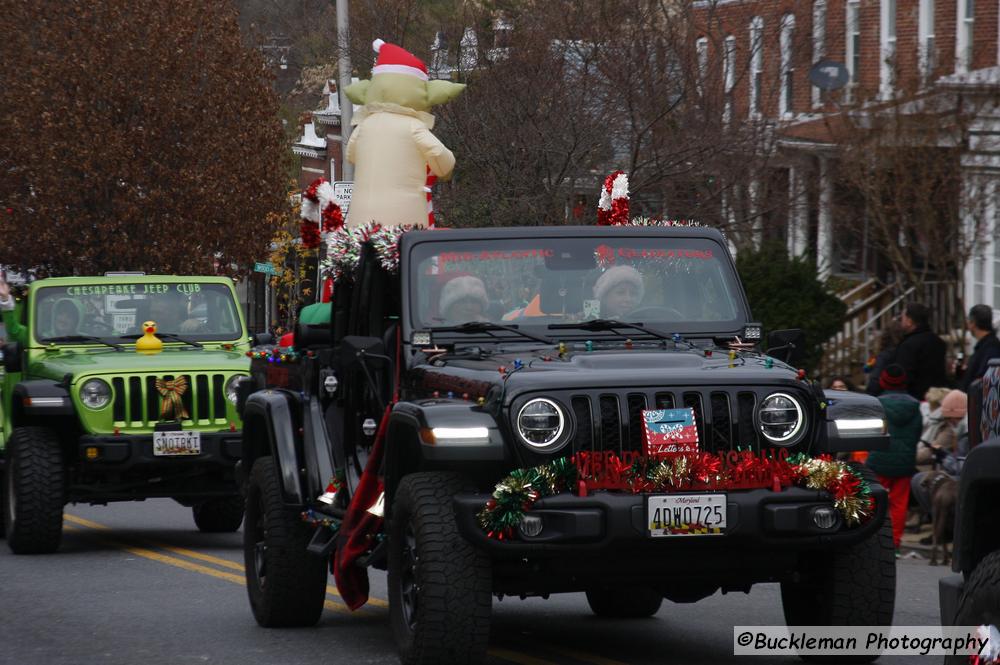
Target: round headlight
(540,422)
(95,394)
(781,419)
(231,386)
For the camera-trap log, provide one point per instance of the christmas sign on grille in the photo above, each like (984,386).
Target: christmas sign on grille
(669,432)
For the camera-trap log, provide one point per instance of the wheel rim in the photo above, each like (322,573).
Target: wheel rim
(260,547)
(408,582)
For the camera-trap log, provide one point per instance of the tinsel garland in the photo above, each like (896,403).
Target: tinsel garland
(517,493)
(385,241)
(333,218)
(343,250)
(309,232)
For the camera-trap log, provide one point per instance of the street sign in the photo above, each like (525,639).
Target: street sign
(342,195)
(829,75)
(266,268)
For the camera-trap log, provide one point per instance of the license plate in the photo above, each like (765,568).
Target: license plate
(175,444)
(686,514)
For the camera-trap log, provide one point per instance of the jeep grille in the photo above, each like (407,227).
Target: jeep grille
(613,421)
(136,402)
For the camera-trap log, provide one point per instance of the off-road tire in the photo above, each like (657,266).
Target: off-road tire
(222,515)
(439,585)
(851,586)
(625,603)
(34,491)
(979,603)
(292,588)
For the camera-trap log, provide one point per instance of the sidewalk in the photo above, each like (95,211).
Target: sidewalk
(910,547)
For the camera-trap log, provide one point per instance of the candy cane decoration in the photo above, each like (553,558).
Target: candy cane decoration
(612,208)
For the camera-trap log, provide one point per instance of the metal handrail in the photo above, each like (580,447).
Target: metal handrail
(885,309)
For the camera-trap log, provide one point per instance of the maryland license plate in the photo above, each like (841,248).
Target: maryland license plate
(686,514)
(176,444)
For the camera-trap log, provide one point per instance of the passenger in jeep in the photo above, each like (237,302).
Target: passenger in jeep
(620,291)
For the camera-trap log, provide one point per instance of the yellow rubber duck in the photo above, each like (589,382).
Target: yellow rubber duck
(149,342)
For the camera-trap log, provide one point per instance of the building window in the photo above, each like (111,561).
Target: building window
(925,31)
(819,43)
(729,76)
(966,26)
(887,65)
(786,102)
(853,43)
(701,47)
(756,64)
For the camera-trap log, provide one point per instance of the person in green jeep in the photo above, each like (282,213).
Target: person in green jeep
(8,309)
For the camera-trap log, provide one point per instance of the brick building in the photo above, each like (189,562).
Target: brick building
(903,58)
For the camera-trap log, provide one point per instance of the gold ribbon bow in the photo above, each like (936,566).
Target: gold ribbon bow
(171,406)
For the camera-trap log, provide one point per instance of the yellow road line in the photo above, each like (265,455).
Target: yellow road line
(192,554)
(515,657)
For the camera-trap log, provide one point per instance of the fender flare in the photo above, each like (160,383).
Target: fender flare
(979,489)
(41,397)
(271,427)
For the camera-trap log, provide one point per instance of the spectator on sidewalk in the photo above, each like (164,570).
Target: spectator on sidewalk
(980,324)
(888,341)
(841,382)
(949,447)
(921,353)
(894,467)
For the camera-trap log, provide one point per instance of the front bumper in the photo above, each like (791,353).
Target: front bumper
(758,520)
(135,451)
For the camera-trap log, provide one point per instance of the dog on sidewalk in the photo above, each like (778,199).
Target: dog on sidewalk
(943,491)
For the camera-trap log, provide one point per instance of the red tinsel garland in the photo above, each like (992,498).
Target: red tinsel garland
(309,232)
(333,218)
(310,191)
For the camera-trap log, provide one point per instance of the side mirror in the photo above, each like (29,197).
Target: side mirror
(263,339)
(788,345)
(12,356)
(309,335)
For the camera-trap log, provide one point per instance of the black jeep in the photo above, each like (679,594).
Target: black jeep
(494,351)
(971,595)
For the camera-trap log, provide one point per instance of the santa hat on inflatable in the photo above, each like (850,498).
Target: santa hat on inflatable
(461,287)
(394,59)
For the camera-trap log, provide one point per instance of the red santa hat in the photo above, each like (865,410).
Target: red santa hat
(394,59)
(461,287)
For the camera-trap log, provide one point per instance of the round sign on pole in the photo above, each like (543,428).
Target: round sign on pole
(829,75)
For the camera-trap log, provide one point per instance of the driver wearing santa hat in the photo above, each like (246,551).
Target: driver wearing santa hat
(464,299)
(620,290)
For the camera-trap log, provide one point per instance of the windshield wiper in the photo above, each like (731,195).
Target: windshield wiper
(84,338)
(608,324)
(487,326)
(171,337)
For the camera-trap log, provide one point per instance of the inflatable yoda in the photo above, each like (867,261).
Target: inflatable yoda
(394,152)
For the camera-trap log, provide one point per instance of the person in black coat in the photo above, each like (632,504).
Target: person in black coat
(980,324)
(888,342)
(921,353)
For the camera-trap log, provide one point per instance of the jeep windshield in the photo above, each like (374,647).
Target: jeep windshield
(667,284)
(195,311)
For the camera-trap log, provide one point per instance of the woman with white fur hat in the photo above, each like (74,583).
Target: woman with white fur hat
(463,298)
(620,290)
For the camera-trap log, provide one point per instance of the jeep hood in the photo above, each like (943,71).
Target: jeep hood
(111,362)
(605,369)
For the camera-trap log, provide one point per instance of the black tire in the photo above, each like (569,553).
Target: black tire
(223,515)
(439,585)
(627,603)
(851,586)
(979,603)
(34,491)
(285,583)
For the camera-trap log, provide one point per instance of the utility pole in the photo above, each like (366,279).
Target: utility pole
(346,107)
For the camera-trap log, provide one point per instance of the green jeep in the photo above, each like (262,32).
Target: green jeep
(98,408)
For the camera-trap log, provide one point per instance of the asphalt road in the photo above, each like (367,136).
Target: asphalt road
(136,583)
